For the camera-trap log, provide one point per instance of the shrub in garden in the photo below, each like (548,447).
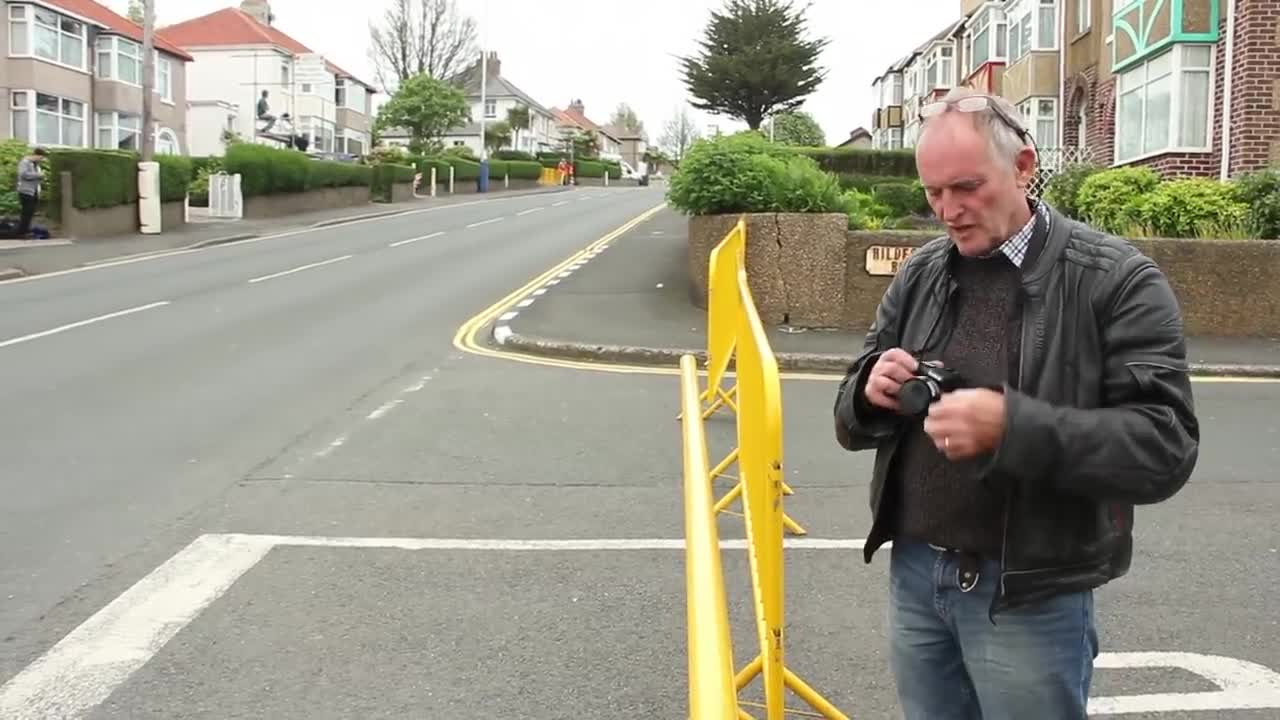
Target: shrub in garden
(524,169)
(902,199)
(386,175)
(1191,207)
(741,173)
(11,151)
(1108,200)
(1063,190)
(1261,191)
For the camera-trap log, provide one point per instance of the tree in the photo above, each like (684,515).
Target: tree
(755,61)
(679,134)
(518,119)
(496,135)
(135,11)
(427,108)
(421,36)
(625,119)
(797,128)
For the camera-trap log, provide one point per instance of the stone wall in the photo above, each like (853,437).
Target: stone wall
(808,271)
(173,216)
(401,192)
(261,206)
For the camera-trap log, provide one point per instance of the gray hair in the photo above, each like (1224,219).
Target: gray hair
(1005,142)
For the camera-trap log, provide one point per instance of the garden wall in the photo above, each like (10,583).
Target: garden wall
(275,205)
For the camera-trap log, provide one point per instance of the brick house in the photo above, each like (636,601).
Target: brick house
(1132,82)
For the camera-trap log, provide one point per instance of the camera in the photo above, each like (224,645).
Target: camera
(929,383)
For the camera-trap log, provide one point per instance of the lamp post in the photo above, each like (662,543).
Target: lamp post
(484,75)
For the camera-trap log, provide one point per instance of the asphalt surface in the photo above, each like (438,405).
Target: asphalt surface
(326,418)
(633,305)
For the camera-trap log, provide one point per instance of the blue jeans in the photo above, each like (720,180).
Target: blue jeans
(950,662)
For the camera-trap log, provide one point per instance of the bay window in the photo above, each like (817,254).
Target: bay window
(1084,17)
(1165,104)
(939,68)
(42,119)
(119,131)
(1040,116)
(1033,26)
(42,33)
(120,59)
(987,39)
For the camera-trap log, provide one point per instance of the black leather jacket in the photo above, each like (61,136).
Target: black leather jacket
(1099,411)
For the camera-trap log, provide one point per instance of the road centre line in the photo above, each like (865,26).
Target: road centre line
(82,323)
(531,210)
(300,268)
(558,204)
(398,243)
(485,222)
(156,255)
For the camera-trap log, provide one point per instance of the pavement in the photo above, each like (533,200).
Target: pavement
(20,258)
(632,305)
(295,490)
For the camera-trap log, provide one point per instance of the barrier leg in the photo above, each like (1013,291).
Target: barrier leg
(811,696)
(728,498)
(723,398)
(718,470)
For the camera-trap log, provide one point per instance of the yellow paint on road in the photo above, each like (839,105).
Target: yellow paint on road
(467,337)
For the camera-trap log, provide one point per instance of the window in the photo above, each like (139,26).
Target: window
(35,31)
(120,59)
(985,41)
(1033,25)
(1164,104)
(1083,15)
(490,108)
(164,78)
(1040,115)
(48,120)
(340,92)
(1082,128)
(119,131)
(167,142)
(940,68)
(897,90)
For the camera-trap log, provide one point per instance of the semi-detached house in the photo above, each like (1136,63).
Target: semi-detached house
(1187,87)
(71,76)
(240,53)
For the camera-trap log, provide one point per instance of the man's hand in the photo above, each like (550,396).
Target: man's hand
(892,369)
(966,423)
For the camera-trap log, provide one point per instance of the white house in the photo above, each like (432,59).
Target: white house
(241,59)
(500,95)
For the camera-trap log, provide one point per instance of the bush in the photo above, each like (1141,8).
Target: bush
(1108,200)
(588,169)
(1063,189)
(902,199)
(745,173)
(514,155)
(856,161)
(1261,191)
(99,179)
(267,170)
(11,152)
(497,170)
(463,169)
(333,174)
(386,175)
(524,169)
(1191,207)
(175,177)
(866,183)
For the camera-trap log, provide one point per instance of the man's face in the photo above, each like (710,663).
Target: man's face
(974,193)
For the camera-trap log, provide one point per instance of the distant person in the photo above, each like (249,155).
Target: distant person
(264,113)
(1009,493)
(30,174)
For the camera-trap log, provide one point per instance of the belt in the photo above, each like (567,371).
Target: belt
(968,566)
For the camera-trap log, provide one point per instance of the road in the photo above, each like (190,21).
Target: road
(261,480)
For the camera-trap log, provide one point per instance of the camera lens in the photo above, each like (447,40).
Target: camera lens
(915,395)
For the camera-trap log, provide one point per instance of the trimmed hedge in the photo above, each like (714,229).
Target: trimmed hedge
(99,179)
(269,171)
(514,155)
(175,177)
(857,161)
(11,152)
(589,169)
(386,175)
(524,169)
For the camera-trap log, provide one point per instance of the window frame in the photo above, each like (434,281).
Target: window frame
(1031,115)
(1179,68)
(33,110)
(1084,16)
(109,45)
(990,18)
(1030,12)
(115,128)
(30,20)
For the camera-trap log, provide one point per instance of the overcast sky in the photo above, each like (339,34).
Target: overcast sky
(611,51)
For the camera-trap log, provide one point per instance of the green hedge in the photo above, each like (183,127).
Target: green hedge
(524,169)
(99,179)
(464,169)
(856,161)
(11,152)
(175,177)
(514,155)
(498,169)
(269,171)
(386,175)
(588,169)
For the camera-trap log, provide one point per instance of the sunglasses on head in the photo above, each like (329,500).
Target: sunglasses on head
(972,104)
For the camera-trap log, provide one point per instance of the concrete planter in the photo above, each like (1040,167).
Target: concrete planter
(808,271)
(263,206)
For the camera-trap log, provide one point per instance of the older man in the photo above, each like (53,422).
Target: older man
(1008,489)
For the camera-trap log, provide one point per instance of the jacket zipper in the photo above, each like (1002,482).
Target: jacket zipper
(1008,496)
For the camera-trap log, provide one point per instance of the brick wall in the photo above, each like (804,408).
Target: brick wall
(1255,94)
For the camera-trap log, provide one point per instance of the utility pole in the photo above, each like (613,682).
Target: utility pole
(148,77)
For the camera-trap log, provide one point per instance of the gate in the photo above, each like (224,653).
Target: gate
(225,199)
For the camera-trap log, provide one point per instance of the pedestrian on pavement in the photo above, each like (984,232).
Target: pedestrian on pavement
(1009,492)
(30,174)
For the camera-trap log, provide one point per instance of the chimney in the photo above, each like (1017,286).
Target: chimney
(495,65)
(578,106)
(259,10)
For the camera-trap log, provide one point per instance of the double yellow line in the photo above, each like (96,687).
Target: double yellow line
(467,337)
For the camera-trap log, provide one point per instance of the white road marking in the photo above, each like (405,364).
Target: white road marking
(565,274)
(501,334)
(525,302)
(539,292)
(337,443)
(558,204)
(485,222)
(413,240)
(82,323)
(506,317)
(310,266)
(531,210)
(95,658)
(384,409)
(553,282)
(1242,685)
(87,665)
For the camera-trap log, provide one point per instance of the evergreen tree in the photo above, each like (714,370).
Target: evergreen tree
(755,61)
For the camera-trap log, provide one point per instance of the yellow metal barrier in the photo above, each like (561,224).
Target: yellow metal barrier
(712,695)
(760,465)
